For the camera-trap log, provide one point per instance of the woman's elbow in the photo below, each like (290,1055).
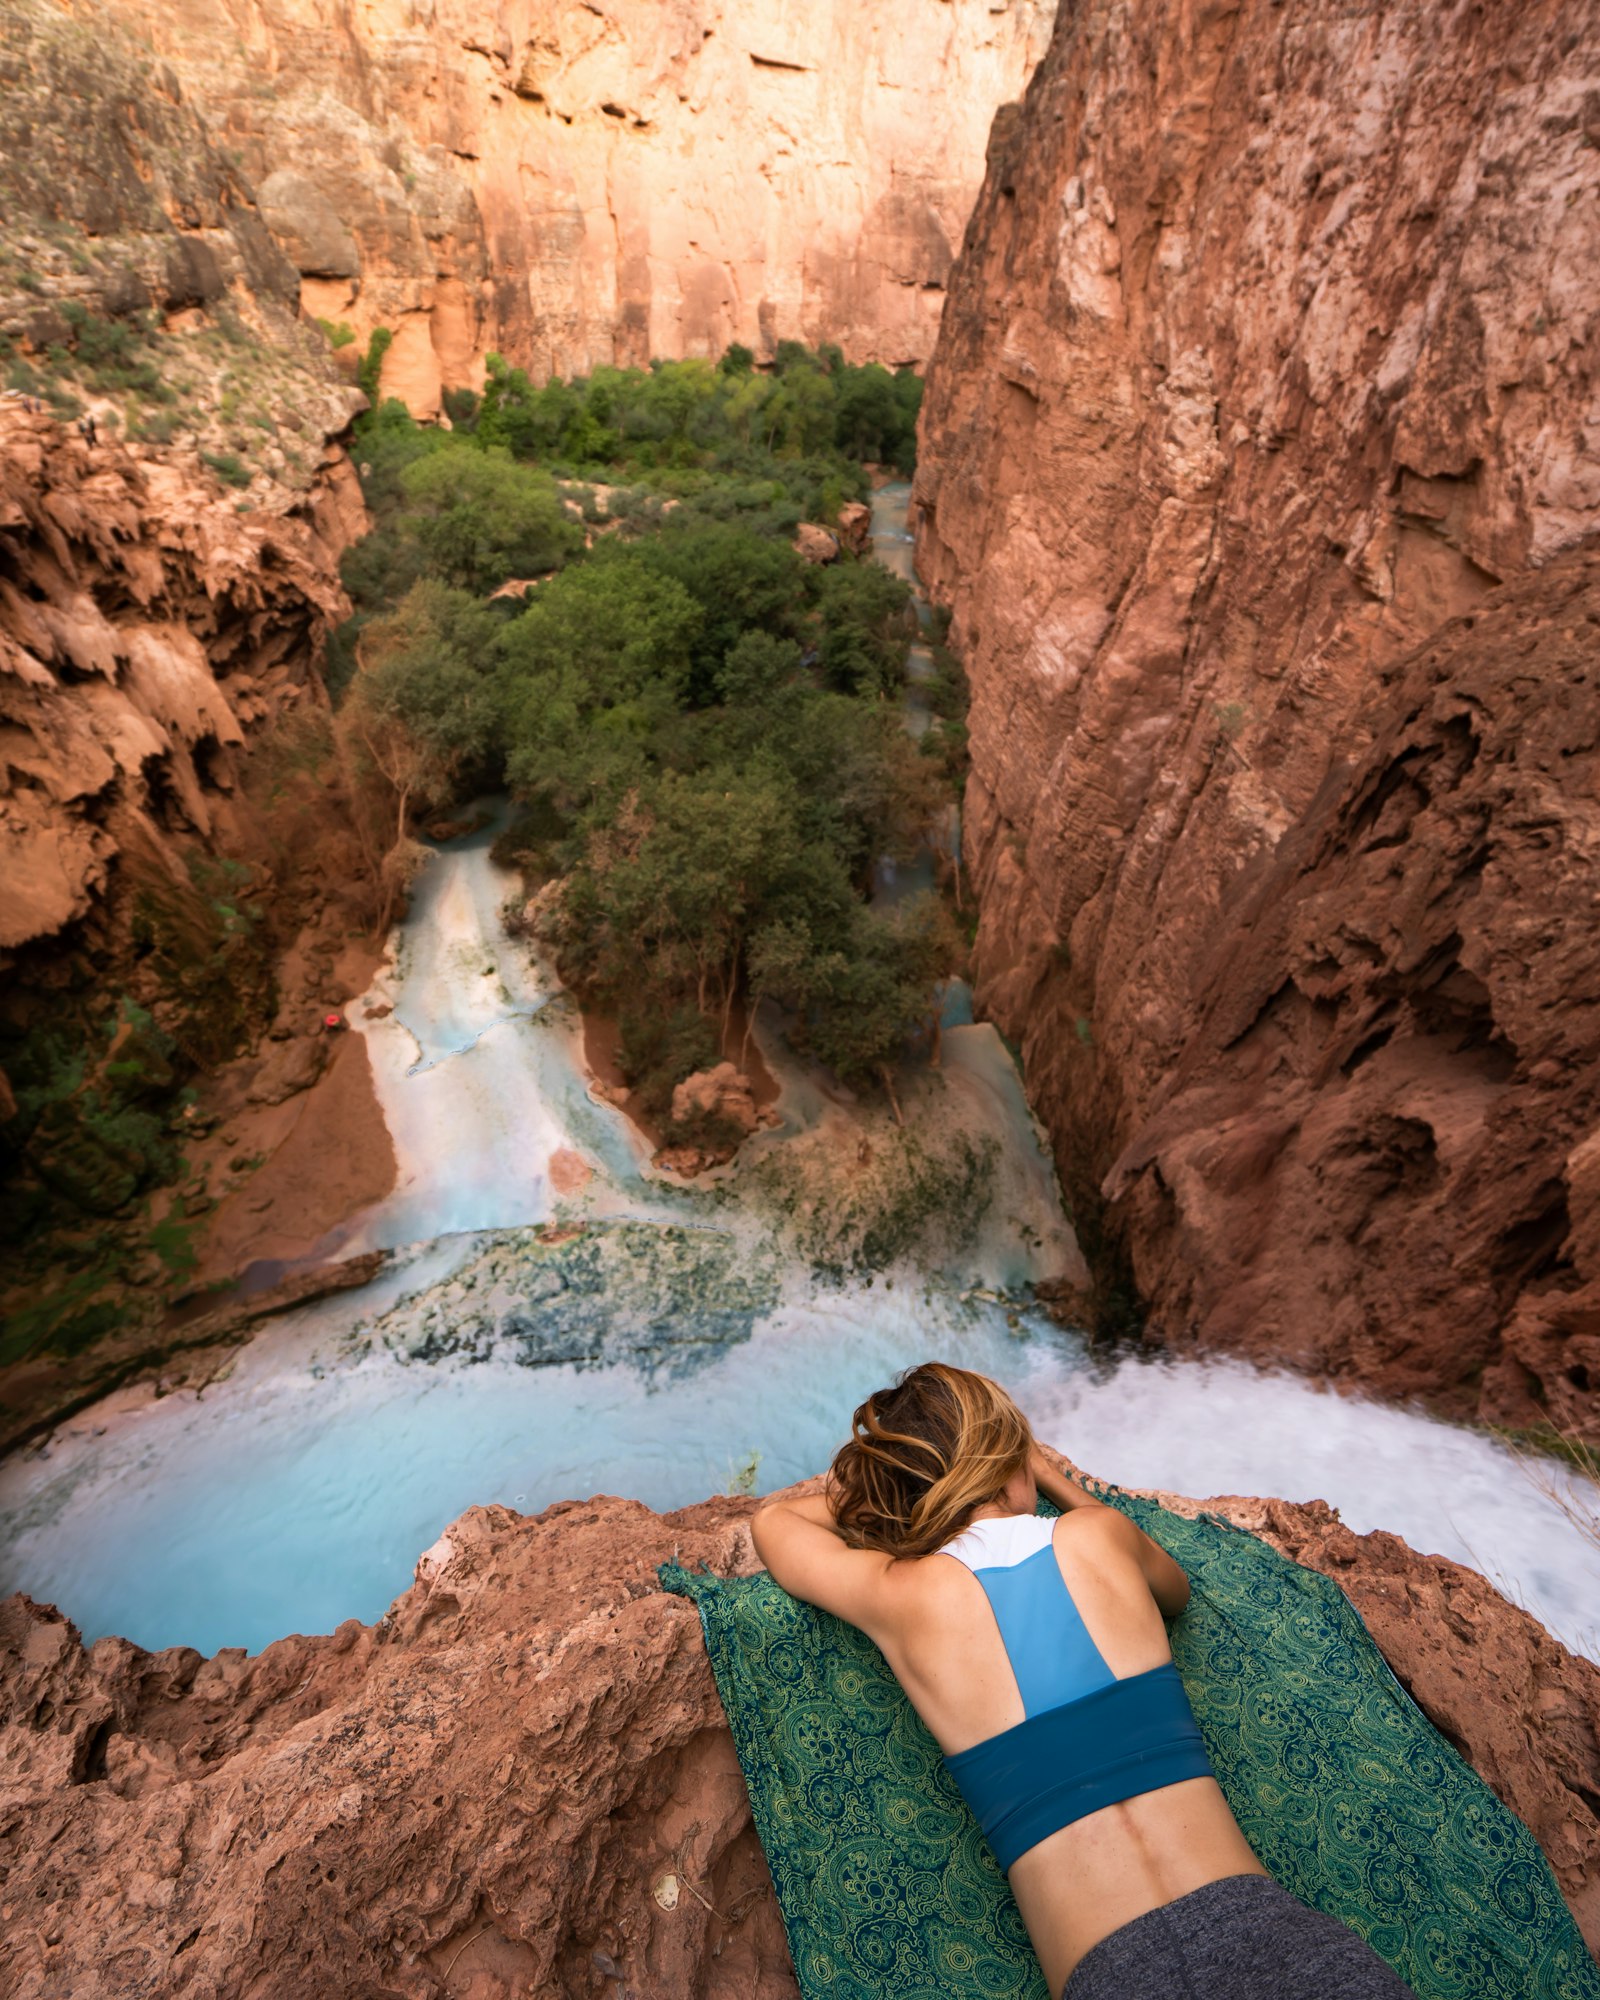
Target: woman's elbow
(762,1523)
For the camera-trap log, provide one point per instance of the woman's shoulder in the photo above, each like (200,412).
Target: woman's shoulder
(1097,1523)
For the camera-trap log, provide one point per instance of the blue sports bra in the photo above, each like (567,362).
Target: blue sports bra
(1087,1739)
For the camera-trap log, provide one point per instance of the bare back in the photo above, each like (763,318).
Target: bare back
(933,1622)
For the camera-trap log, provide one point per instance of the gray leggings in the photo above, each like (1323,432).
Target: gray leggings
(1243,1938)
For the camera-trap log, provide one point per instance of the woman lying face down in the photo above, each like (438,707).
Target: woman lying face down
(1036,1652)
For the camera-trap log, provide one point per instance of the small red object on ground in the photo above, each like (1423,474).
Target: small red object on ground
(333,1020)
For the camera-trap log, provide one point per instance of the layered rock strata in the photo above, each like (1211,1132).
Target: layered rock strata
(180,870)
(521,1779)
(577,184)
(1251,450)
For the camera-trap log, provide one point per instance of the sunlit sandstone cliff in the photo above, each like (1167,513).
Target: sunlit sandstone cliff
(572,183)
(521,1779)
(1260,453)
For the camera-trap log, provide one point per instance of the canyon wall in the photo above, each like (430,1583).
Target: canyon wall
(521,1779)
(148,631)
(1260,451)
(173,501)
(573,183)
(181,874)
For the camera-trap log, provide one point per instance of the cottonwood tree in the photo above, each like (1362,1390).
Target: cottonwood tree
(422,708)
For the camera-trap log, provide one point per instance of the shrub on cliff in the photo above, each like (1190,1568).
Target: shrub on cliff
(113,355)
(370,370)
(91,1122)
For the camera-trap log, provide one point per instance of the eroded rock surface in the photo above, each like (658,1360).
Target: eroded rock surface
(180,869)
(1250,452)
(162,605)
(487,1792)
(475,1796)
(575,184)
(148,630)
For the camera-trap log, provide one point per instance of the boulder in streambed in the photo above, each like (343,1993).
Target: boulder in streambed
(713,1113)
(724,1092)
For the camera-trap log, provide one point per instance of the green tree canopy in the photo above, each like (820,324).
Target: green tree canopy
(867,623)
(595,666)
(740,581)
(480,517)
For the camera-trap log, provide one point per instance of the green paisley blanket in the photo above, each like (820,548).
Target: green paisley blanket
(1343,1788)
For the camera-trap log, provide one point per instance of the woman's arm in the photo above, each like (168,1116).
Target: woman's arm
(1057,1485)
(800,1543)
(1168,1584)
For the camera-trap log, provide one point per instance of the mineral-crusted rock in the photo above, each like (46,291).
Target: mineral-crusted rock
(1224,425)
(571,185)
(586,1294)
(487,1790)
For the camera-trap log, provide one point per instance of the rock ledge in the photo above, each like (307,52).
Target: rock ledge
(520,1779)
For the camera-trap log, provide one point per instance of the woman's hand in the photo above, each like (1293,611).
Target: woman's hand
(1056,1485)
(1169,1586)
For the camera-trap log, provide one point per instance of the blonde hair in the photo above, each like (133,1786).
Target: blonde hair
(923,1455)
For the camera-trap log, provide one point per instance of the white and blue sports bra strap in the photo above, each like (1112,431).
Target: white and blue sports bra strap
(1045,1638)
(1001,1540)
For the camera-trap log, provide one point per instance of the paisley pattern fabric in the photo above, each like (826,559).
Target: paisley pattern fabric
(1344,1789)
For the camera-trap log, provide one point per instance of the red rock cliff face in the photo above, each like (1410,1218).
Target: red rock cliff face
(155,618)
(575,183)
(148,631)
(521,1781)
(1262,416)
